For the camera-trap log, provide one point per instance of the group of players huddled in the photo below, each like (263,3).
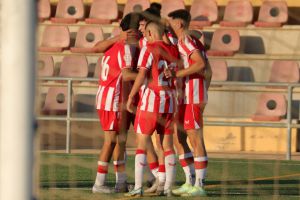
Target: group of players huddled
(155,73)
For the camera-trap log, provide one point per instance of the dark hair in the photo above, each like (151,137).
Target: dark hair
(155,6)
(150,14)
(182,14)
(130,21)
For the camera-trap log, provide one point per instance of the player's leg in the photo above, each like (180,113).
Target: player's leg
(167,129)
(110,138)
(153,167)
(161,161)
(195,135)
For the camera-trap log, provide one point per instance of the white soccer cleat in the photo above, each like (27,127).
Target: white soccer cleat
(153,188)
(102,189)
(134,193)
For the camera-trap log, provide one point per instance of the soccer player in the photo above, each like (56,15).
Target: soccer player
(116,71)
(196,77)
(157,105)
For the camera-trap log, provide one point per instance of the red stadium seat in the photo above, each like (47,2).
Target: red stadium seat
(44,10)
(135,6)
(270,107)
(219,69)
(203,13)
(86,38)
(285,71)
(224,43)
(45,66)
(272,14)
(56,102)
(55,39)
(74,66)
(69,11)
(237,13)
(168,6)
(103,12)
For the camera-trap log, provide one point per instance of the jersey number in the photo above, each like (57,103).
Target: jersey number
(104,68)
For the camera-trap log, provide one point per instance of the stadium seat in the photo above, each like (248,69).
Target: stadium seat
(272,14)
(203,13)
(224,43)
(285,71)
(45,66)
(219,69)
(56,102)
(237,13)
(168,6)
(68,11)
(103,12)
(55,39)
(86,38)
(135,6)
(74,66)
(270,107)
(44,10)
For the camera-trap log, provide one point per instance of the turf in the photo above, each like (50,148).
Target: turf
(64,176)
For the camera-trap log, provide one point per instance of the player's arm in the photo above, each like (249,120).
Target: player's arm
(207,73)
(197,67)
(136,87)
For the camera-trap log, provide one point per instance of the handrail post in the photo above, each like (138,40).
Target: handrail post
(68,134)
(289,121)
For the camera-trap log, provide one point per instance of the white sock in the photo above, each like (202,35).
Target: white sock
(121,177)
(162,173)
(200,168)
(154,169)
(189,169)
(170,163)
(140,163)
(101,173)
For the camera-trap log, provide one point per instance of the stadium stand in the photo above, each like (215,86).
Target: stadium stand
(55,39)
(74,66)
(272,14)
(285,71)
(56,102)
(68,11)
(237,14)
(103,12)
(168,6)
(44,10)
(270,107)
(136,6)
(86,38)
(224,43)
(45,65)
(203,13)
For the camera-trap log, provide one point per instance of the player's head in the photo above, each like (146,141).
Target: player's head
(130,21)
(150,14)
(156,6)
(154,31)
(179,19)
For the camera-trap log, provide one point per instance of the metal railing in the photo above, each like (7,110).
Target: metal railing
(283,124)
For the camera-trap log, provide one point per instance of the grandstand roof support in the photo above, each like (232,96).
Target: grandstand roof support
(18,21)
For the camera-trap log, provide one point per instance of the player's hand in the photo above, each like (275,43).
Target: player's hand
(129,105)
(169,73)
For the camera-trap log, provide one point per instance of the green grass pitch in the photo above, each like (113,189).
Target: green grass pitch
(64,176)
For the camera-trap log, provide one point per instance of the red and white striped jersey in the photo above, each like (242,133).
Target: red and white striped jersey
(159,96)
(194,90)
(118,57)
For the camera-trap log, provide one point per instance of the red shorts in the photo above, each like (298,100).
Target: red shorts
(190,115)
(115,121)
(147,122)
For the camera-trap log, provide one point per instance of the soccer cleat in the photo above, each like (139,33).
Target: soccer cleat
(102,189)
(182,189)
(195,191)
(134,193)
(160,189)
(121,187)
(153,188)
(168,193)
